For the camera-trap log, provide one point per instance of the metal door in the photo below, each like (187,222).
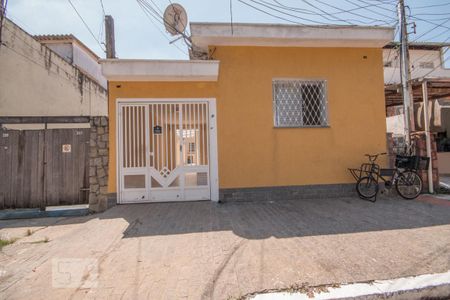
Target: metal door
(164,151)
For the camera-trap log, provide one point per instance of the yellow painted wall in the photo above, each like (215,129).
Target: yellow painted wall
(252,153)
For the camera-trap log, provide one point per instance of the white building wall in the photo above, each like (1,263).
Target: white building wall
(417,57)
(88,64)
(34,81)
(64,50)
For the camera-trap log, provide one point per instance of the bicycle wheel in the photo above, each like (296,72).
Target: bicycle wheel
(367,187)
(409,185)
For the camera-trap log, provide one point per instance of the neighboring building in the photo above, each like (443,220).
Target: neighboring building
(75,53)
(37,81)
(53,121)
(278,111)
(427,64)
(425,59)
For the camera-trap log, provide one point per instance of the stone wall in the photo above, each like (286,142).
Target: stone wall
(98,164)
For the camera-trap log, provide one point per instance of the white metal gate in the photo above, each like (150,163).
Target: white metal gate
(164,151)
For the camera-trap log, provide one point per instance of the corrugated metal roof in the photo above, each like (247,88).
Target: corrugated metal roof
(420,45)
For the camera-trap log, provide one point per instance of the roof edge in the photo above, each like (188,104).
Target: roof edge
(160,70)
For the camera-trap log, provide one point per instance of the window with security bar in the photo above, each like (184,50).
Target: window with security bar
(300,103)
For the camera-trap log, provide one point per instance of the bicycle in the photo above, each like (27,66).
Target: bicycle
(407,181)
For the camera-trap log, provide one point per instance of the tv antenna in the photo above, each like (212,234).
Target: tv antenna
(175,19)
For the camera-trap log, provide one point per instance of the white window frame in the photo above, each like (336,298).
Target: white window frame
(275,110)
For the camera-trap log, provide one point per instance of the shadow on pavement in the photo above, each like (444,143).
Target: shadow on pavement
(260,220)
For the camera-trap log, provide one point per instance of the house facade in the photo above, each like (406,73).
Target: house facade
(275,111)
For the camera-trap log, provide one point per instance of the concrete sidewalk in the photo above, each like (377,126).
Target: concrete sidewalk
(221,251)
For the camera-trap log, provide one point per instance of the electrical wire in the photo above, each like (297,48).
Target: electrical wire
(325,14)
(429,22)
(159,18)
(86,25)
(358,14)
(287,14)
(433,5)
(150,17)
(370,10)
(270,14)
(431,30)
(103,8)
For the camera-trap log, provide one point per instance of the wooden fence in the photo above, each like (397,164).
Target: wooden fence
(44,167)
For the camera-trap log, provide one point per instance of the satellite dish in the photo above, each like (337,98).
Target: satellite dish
(175,19)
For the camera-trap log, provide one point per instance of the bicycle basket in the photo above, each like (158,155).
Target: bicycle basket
(406,162)
(423,163)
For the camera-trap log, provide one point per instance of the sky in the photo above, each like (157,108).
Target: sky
(138,37)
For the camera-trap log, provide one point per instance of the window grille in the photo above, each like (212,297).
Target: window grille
(300,103)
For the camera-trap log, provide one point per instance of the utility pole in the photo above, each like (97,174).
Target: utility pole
(2,16)
(405,75)
(109,36)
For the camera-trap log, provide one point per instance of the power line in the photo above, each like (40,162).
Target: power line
(324,15)
(158,17)
(287,14)
(433,5)
(429,22)
(358,14)
(103,8)
(369,8)
(86,25)
(431,30)
(149,16)
(268,13)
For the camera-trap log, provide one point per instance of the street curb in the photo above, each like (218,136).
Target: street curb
(429,286)
(64,211)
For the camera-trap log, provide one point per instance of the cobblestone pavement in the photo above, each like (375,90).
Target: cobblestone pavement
(203,250)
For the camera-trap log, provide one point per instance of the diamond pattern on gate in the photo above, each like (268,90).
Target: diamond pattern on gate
(299,103)
(165,172)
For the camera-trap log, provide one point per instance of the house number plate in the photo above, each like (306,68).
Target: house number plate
(157,129)
(66,148)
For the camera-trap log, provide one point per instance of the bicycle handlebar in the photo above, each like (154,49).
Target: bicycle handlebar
(373,157)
